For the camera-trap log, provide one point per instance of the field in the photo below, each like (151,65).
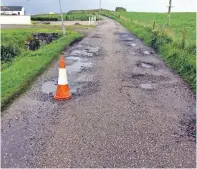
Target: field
(178,22)
(20,70)
(176,43)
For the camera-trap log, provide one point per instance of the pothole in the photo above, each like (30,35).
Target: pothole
(88,89)
(70,61)
(85,78)
(83,86)
(49,87)
(118,51)
(147,77)
(93,49)
(44,97)
(116,33)
(143,52)
(78,66)
(79,46)
(87,51)
(75,86)
(143,77)
(137,75)
(128,40)
(97,36)
(76,52)
(146,52)
(145,65)
(73,58)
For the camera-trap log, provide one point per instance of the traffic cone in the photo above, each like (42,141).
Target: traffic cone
(63,91)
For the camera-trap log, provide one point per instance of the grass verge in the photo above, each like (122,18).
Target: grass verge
(177,55)
(16,78)
(15,38)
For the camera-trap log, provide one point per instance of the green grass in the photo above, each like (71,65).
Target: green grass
(48,17)
(178,22)
(17,37)
(24,68)
(177,51)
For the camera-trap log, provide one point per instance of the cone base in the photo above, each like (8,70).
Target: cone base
(60,98)
(63,93)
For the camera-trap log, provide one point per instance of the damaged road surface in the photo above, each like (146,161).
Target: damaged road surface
(128,110)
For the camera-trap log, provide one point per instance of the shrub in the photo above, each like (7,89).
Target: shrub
(120,9)
(34,44)
(44,19)
(57,17)
(8,52)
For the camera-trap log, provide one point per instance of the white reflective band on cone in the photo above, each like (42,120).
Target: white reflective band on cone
(62,80)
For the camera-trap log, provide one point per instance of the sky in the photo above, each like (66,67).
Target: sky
(46,6)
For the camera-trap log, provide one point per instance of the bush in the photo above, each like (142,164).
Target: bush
(158,40)
(8,52)
(44,19)
(77,17)
(34,44)
(120,9)
(66,17)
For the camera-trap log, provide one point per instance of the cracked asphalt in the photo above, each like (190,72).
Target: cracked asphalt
(128,110)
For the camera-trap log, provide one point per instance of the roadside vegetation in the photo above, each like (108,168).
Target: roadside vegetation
(70,16)
(23,65)
(13,41)
(176,43)
(120,9)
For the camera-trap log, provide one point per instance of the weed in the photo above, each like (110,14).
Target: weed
(183,38)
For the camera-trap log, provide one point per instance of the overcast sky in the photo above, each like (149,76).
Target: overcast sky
(46,6)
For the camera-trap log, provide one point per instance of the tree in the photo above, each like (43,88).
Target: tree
(120,9)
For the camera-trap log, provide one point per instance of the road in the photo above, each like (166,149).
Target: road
(128,110)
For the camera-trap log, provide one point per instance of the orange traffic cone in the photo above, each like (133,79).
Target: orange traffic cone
(63,91)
